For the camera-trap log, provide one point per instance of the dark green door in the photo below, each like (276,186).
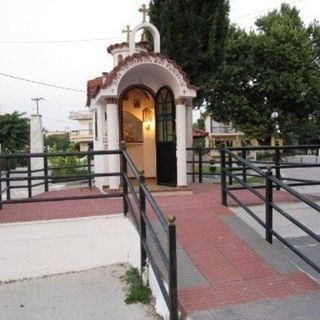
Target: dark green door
(166,138)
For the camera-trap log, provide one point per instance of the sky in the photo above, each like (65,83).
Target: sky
(39,41)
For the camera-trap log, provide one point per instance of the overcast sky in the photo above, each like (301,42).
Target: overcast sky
(71,64)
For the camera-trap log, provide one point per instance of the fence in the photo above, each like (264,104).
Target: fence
(137,203)
(203,165)
(271,182)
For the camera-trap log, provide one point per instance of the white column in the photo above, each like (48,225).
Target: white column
(100,161)
(189,130)
(113,141)
(36,146)
(181,128)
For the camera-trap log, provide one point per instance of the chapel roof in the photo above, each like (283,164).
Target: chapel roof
(95,85)
(199,133)
(141,44)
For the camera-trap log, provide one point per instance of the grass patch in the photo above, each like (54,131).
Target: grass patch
(138,292)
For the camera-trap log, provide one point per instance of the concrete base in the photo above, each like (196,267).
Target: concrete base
(42,248)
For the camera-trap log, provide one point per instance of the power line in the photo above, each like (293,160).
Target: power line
(41,83)
(57,41)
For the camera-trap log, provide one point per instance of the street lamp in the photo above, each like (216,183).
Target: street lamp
(274,117)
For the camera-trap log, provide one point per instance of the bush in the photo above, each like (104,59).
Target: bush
(263,155)
(67,165)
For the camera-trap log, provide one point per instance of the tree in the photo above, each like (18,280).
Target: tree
(314,29)
(200,124)
(14,132)
(193,34)
(58,142)
(273,68)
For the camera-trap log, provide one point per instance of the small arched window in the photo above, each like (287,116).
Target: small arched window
(120,58)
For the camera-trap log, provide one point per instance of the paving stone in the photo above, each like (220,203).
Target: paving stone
(302,307)
(271,254)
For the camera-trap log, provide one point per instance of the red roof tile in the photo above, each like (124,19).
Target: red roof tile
(199,133)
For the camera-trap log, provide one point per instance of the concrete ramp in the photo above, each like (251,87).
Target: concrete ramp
(41,248)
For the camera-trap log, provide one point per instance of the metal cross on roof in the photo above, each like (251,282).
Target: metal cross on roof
(145,11)
(127,31)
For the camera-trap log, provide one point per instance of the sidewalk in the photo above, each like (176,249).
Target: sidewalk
(94,294)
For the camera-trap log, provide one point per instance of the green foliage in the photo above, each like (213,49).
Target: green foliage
(193,34)
(273,68)
(199,124)
(306,132)
(14,132)
(264,155)
(67,165)
(138,292)
(59,143)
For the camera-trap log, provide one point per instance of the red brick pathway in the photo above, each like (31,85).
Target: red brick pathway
(235,273)
(61,210)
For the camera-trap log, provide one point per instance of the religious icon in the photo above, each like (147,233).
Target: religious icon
(132,128)
(136,103)
(147,115)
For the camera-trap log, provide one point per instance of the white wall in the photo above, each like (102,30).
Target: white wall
(100,162)
(41,248)
(50,247)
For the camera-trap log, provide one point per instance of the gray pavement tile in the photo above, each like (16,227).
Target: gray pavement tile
(188,274)
(302,307)
(270,253)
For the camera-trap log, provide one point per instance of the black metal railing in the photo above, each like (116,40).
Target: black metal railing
(49,174)
(205,163)
(201,164)
(271,182)
(137,201)
(149,219)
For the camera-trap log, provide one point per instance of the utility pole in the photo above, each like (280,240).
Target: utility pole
(37,102)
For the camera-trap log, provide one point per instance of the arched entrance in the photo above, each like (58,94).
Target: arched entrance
(137,127)
(147,124)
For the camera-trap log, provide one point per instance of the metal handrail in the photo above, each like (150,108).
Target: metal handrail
(170,260)
(270,183)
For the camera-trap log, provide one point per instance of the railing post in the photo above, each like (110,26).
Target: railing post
(269,208)
(0,189)
(46,171)
(277,164)
(200,165)
(193,166)
(8,192)
(244,169)
(89,168)
(173,282)
(29,178)
(124,181)
(143,230)
(223,175)
(230,167)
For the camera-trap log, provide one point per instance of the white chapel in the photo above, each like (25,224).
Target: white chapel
(146,101)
